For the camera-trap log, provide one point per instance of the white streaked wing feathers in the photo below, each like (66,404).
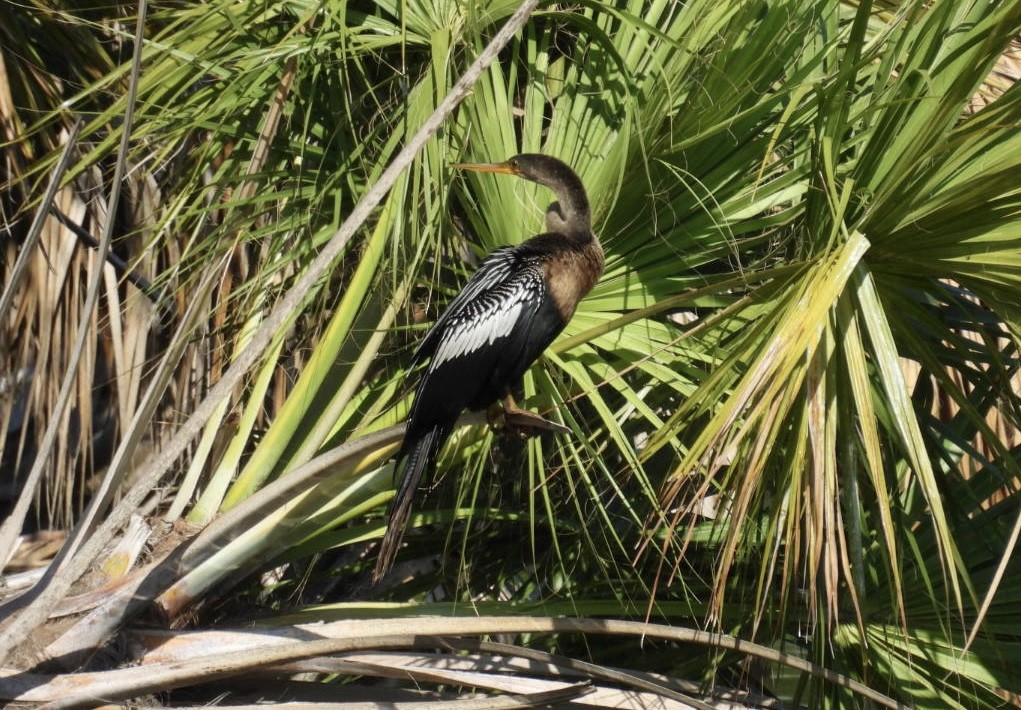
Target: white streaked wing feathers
(492,316)
(496,269)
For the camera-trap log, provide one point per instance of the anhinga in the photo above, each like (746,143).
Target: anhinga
(496,327)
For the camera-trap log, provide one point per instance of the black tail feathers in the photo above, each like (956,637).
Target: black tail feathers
(417,455)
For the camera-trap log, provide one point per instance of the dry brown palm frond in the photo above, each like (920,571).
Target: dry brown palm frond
(1004,75)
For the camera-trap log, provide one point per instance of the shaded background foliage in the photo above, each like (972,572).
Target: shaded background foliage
(792,394)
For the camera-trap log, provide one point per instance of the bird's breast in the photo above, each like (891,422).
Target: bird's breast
(571,273)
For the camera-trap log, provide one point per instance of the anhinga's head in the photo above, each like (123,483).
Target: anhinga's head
(569,215)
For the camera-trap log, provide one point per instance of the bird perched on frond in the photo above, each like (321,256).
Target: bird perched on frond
(517,302)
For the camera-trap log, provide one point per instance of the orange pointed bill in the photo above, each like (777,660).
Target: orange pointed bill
(487,167)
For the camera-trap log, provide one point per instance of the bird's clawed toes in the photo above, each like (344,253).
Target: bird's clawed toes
(510,420)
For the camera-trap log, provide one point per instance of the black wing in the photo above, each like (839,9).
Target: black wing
(496,268)
(497,318)
(483,347)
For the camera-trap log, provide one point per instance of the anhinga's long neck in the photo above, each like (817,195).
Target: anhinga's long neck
(569,215)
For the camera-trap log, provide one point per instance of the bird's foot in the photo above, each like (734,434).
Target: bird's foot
(513,420)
